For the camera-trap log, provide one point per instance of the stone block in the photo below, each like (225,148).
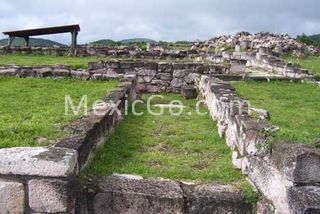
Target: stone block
(124,195)
(50,196)
(164,67)
(96,65)
(304,199)
(12,197)
(8,71)
(189,92)
(147,75)
(181,73)
(300,163)
(38,161)
(176,83)
(216,199)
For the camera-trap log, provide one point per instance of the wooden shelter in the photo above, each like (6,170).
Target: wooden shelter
(73,29)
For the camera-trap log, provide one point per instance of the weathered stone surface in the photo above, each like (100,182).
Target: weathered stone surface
(189,92)
(304,199)
(153,88)
(181,73)
(219,199)
(265,207)
(96,65)
(80,74)
(123,195)
(49,196)
(38,161)
(12,197)
(272,184)
(263,114)
(300,163)
(147,75)
(190,78)
(8,71)
(176,83)
(43,71)
(164,67)
(164,76)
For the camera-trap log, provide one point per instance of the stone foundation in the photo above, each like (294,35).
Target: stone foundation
(158,77)
(282,173)
(103,51)
(43,179)
(133,194)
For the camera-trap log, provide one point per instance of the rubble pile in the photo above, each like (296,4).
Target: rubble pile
(279,43)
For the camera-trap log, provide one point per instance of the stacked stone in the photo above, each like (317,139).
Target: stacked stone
(158,77)
(278,43)
(42,179)
(289,176)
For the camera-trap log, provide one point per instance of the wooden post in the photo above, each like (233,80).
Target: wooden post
(74,35)
(27,42)
(10,41)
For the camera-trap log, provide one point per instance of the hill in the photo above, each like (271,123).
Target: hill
(33,42)
(135,40)
(121,42)
(104,42)
(315,38)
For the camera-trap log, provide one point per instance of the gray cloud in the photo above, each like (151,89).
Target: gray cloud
(162,20)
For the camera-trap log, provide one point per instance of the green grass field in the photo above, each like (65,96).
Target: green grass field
(294,107)
(177,147)
(311,63)
(31,60)
(34,108)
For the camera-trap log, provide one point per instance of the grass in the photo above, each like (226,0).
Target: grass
(34,108)
(176,147)
(311,63)
(72,61)
(32,60)
(294,107)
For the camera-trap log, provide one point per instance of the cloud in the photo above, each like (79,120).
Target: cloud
(162,20)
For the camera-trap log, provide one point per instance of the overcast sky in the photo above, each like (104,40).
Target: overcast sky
(162,19)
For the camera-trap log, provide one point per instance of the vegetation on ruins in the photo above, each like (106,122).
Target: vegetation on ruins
(311,63)
(32,109)
(294,107)
(32,60)
(177,147)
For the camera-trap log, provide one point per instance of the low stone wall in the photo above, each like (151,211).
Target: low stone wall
(286,174)
(157,77)
(43,179)
(261,60)
(83,50)
(133,194)
(278,66)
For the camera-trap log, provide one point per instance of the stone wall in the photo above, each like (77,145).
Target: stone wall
(158,76)
(286,174)
(133,194)
(43,179)
(112,51)
(261,60)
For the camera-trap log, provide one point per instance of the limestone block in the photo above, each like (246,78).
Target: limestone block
(300,163)
(304,199)
(8,71)
(216,199)
(176,82)
(12,197)
(125,195)
(189,92)
(38,161)
(49,196)
(164,67)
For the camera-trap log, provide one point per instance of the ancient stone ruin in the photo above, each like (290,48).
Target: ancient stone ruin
(287,176)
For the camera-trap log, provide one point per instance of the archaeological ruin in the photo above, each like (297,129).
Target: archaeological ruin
(285,175)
